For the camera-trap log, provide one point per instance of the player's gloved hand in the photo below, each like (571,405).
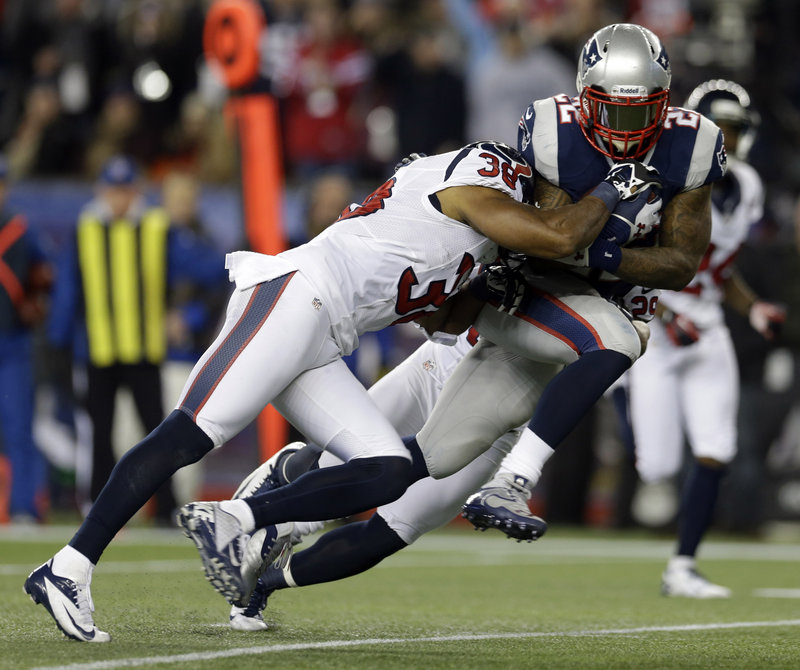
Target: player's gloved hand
(680,329)
(634,219)
(604,254)
(767,318)
(407,160)
(624,181)
(503,282)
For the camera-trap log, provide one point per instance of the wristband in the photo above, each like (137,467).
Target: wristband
(605,255)
(607,193)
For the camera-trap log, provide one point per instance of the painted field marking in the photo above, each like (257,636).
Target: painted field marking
(199,657)
(776,593)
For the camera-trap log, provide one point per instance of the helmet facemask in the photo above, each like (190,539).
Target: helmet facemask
(623,127)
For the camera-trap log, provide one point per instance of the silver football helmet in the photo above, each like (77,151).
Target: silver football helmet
(727,103)
(623,81)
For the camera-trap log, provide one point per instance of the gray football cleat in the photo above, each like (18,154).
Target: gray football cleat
(506,509)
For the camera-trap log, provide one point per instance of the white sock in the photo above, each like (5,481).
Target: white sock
(287,574)
(527,458)
(241,510)
(681,563)
(69,562)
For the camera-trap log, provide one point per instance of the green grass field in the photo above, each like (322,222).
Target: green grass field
(457,599)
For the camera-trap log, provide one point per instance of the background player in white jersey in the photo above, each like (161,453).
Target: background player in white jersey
(396,257)
(688,383)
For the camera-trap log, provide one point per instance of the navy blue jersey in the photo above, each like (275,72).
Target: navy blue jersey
(689,153)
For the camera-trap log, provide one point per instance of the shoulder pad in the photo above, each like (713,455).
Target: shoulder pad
(492,164)
(689,153)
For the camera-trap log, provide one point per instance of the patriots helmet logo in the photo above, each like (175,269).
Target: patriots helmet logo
(523,135)
(722,159)
(590,55)
(663,60)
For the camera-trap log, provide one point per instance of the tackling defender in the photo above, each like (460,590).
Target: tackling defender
(396,257)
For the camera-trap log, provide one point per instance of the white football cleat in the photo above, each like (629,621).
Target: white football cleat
(250,618)
(69,603)
(688,583)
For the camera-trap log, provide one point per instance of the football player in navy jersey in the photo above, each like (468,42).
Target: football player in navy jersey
(622,111)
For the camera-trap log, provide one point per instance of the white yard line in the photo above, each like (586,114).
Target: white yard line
(776,593)
(200,657)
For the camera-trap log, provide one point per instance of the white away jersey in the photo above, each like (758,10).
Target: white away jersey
(395,256)
(701,300)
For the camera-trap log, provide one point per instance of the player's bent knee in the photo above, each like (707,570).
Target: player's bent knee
(183,437)
(388,476)
(655,473)
(718,461)
(630,341)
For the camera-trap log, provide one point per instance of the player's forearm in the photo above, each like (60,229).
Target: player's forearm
(738,295)
(657,267)
(562,231)
(456,315)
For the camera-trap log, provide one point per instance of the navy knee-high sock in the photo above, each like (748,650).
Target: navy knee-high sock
(698,500)
(573,392)
(339,553)
(619,397)
(337,491)
(136,477)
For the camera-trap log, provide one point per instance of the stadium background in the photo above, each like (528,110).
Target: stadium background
(82,79)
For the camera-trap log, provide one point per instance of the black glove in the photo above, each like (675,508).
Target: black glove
(409,159)
(503,282)
(680,329)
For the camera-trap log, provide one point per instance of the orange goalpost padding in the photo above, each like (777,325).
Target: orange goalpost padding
(231,37)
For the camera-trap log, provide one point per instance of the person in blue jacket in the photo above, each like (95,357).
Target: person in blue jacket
(25,279)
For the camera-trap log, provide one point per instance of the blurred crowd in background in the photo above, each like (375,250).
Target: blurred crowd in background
(360,84)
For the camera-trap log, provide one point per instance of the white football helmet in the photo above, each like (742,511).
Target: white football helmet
(726,102)
(623,81)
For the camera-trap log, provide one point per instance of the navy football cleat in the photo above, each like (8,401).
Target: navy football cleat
(69,603)
(506,509)
(233,561)
(269,475)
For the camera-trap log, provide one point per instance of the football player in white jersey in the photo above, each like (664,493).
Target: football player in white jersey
(396,257)
(688,383)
